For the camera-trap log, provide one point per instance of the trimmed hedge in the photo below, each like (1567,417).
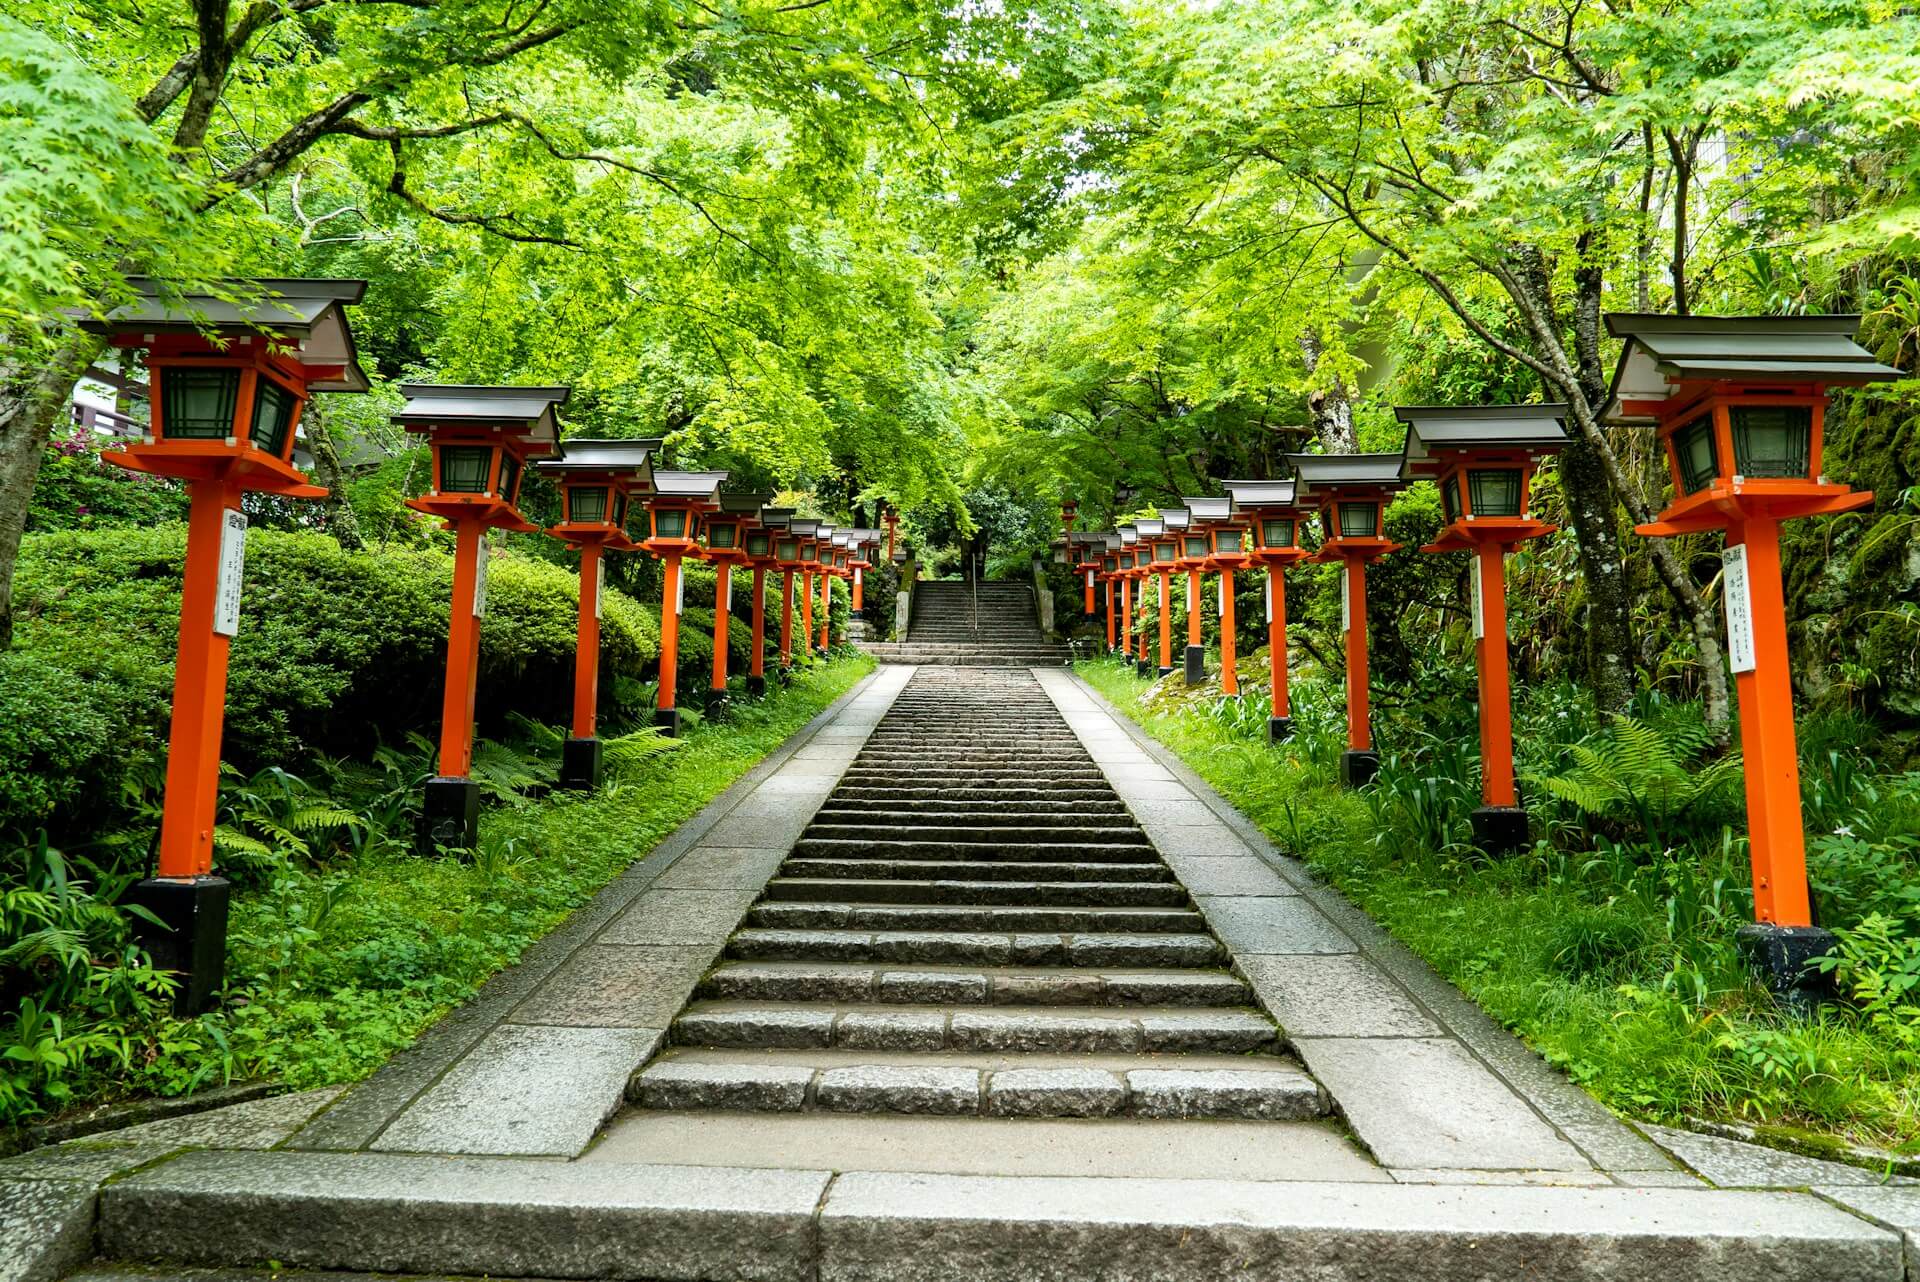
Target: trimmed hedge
(337,651)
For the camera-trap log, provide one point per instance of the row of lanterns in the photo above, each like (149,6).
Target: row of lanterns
(229,377)
(1739,406)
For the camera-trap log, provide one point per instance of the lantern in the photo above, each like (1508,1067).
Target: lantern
(726,538)
(680,501)
(228,379)
(1351,491)
(1740,403)
(481,438)
(597,480)
(1267,512)
(1483,458)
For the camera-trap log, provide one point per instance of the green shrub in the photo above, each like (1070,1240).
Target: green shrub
(337,652)
(74,490)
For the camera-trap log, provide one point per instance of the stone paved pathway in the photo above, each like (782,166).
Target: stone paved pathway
(786,999)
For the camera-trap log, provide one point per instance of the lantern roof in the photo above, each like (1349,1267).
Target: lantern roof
(519,411)
(776,518)
(1174,518)
(702,487)
(1128,536)
(1538,429)
(632,459)
(745,504)
(1246,494)
(805,526)
(309,311)
(1661,351)
(1148,526)
(1207,510)
(1112,539)
(1320,475)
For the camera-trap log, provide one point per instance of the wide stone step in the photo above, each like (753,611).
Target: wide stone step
(1009,795)
(1021,1029)
(994,917)
(1110,851)
(979,1085)
(978,986)
(527,1218)
(1065,831)
(983,947)
(937,870)
(880,810)
(1048,893)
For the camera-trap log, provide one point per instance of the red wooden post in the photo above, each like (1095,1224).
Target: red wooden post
(672,593)
(757,666)
(1229,678)
(722,608)
(1280,719)
(463,649)
(786,618)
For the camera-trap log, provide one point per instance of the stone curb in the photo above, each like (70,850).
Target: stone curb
(1582,1120)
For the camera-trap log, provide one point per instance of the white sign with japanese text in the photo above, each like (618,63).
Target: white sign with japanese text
(233,560)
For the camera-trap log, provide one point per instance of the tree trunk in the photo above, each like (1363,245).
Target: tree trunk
(1331,408)
(342,522)
(1590,504)
(32,400)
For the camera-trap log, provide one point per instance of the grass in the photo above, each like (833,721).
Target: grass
(335,967)
(1617,966)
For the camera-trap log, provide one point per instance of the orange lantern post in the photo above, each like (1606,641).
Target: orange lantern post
(1273,533)
(763,555)
(230,377)
(809,532)
(788,550)
(1352,491)
(1087,546)
(1110,580)
(1147,529)
(1196,558)
(1483,459)
(598,480)
(1167,549)
(481,439)
(1740,406)
(1223,551)
(832,566)
(680,500)
(891,519)
(723,543)
(1125,571)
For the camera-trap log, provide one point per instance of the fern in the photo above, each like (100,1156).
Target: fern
(630,750)
(1635,775)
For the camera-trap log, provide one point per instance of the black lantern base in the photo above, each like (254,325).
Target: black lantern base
(1143,668)
(1782,956)
(450,819)
(756,687)
(191,938)
(580,764)
(1196,664)
(786,674)
(668,719)
(1358,767)
(1163,671)
(717,703)
(1500,830)
(1279,728)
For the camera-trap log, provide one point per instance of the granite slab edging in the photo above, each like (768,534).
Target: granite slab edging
(1583,1121)
(358,1117)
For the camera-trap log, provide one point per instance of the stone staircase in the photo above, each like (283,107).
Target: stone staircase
(947,629)
(974,925)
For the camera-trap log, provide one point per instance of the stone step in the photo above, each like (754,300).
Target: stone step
(1002,796)
(1172,1087)
(983,947)
(977,870)
(947,1027)
(828,914)
(1116,851)
(534,1217)
(1068,830)
(1168,894)
(880,809)
(980,986)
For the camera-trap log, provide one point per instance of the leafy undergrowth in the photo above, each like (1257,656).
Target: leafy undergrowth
(342,952)
(1610,954)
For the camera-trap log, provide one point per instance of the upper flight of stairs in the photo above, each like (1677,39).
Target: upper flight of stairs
(947,628)
(974,925)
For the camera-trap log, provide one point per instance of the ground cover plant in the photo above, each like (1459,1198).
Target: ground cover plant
(1608,945)
(345,943)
